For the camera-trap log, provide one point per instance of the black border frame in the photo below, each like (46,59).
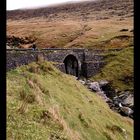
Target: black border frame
(3,70)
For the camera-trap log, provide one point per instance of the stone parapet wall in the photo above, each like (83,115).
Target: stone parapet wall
(90,62)
(15,59)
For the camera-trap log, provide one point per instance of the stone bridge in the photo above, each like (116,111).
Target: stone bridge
(77,62)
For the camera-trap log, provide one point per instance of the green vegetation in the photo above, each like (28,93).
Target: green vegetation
(43,103)
(119,69)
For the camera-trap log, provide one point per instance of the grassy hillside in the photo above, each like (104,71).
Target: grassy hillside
(94,24)
(72,34)
(43,103)
(119,69)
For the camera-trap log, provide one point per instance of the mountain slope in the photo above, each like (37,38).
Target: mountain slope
(94,24)
(81,9)
(43,103)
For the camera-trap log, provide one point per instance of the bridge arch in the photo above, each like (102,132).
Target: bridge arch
(71,65)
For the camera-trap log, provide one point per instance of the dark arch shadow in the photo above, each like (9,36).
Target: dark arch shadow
(71,65)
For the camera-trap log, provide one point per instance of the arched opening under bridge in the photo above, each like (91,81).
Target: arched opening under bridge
(71,65)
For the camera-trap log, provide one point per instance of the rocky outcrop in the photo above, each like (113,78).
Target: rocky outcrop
(20,42)
(95,86)
(122,103)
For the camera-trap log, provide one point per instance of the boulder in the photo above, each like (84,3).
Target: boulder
(103,83)
(127,98)
(82,82)
(95,86)
(8,47)
(126,110)
(128,101)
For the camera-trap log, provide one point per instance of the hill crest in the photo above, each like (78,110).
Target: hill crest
(86,8)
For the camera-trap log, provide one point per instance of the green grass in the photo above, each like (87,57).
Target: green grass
(119,69)
(43,103)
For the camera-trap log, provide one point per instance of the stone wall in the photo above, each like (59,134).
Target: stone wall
(89,62)
(90,68)
(17,58)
